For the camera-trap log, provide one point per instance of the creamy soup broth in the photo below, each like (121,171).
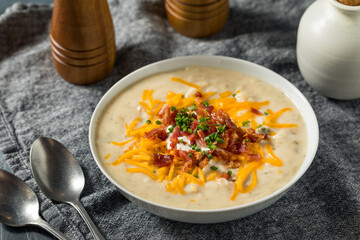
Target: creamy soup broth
(289,143)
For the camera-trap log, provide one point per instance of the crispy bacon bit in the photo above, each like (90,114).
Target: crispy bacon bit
(172,117)
(212,129)
(156,133)
(224,137)
(202,142)
(194,124)
(243,148)
(164,114)
(255,111)
(192,138)
(225,175)
(184,155)
(201,112)
(173,144)
(233,141)
(176,133)
(230,124)
(252,136)
(162,135)
(209,109)
(177,153)
(201,133)
(160,160)
(233,164)
(198,94)
(222,117)
(186,165)
(216,153)
(225,154)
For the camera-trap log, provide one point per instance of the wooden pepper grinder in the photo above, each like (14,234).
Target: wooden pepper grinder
(82,40)
(197,18)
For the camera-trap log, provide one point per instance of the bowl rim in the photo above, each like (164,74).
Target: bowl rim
(209,60)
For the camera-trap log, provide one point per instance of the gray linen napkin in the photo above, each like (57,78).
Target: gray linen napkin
(35,101)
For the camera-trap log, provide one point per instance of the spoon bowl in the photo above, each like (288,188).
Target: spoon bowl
(56,171)
(60,176)
(19,205)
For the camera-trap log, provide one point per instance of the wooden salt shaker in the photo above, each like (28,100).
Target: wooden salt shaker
(82,40)
(197,18)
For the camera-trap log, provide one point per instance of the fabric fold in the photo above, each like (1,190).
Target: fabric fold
(35,101)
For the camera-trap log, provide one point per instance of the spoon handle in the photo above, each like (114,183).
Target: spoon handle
(79,207)
(51,230)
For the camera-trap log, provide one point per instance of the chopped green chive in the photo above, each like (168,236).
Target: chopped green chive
(181,141)
(246,140)
(190,131)
(213,168)
(210,156)
(204,119)
(191,154)
(246,123)
(229,173)
(193,107)
(173,108)
(265,113)
(205,104)
(196,176)
(219,140)
(158,122)
(212,146)
(221,128)
(171,129)
(193,147)
(183,119)
(148,121)
(198,150)
(234,95)
(265,130)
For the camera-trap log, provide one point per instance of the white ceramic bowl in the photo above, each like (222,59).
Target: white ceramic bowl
(224,214)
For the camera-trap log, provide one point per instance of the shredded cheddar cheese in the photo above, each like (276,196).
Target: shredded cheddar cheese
(178,172)
(175,79)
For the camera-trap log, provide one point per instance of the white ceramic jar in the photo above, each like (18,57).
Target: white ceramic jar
(328,48)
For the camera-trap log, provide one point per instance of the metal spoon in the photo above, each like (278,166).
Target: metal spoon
(19,205)
(59,176)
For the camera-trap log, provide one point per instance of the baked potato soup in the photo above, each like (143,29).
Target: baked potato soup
(201,138)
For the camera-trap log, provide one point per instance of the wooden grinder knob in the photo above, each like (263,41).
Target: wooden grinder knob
(82,40)
(350,2)
(197,18)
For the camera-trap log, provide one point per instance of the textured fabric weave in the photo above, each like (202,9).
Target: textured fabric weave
(35,101)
